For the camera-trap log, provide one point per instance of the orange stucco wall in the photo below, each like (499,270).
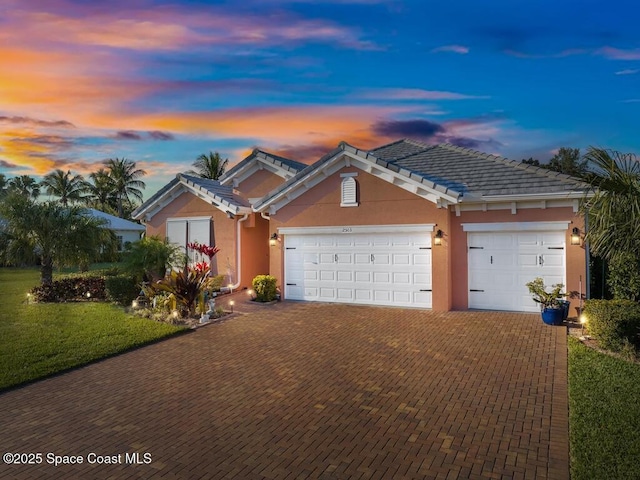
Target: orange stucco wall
(575,255)
(259,184)
(224,235)
(380,203)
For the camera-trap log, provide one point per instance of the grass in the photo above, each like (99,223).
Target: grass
(604,415)
(38,340)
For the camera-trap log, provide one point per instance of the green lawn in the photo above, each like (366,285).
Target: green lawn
(604,411)
(40,339)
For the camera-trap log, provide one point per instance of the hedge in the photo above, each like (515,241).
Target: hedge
(613,322)
(122,289)
(71,289)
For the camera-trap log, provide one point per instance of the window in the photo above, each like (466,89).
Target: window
(181,231)
(349,190)
(119,239)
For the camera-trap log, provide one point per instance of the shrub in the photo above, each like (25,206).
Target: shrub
(122,289)
(69,289)
(624,277)
(265,287)
(613,322)
(149,258)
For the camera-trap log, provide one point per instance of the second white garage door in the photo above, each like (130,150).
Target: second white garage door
(501,263)
(366,268)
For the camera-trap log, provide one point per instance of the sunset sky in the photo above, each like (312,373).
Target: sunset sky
(162,82)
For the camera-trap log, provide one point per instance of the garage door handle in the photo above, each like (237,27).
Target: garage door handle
(426,290)
(373,258)
(491,259)
(335,258)
(540,259)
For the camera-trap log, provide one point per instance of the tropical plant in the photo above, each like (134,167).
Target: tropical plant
(150,257)
(67,187)
(99,192)
(612,207)
(186,285)
(60,236)
(26,186)
(3,185)
(125,176)
(209,166)
(540,295)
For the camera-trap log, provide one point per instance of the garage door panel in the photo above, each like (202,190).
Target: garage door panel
(362,258)
(344,276)
(382,296)
(327,276)
(402,278)
(382,259)
(503,262)
(422,280)
(400,259)
(381,277)
(311,275)
(345,294)
(326,258)
(363,295)
(422,259)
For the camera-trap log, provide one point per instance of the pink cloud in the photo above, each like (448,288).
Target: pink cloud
(461,49)
(619,54)
(416,94)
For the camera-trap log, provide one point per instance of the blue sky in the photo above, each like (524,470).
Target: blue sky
(162,82)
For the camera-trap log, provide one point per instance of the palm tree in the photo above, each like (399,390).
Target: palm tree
(64,185)
(59,235)
(613,208)
(100,191)
(3,185)
(26,186)
(209,166)
(126,184)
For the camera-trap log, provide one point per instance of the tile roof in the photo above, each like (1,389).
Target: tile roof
(286,163)
(213,189)
(473,173)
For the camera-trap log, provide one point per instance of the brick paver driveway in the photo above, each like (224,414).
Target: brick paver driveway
(310,391)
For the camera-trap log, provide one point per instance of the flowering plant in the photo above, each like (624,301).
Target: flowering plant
(207,250)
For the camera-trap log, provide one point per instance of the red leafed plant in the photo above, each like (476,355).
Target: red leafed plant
(207,250)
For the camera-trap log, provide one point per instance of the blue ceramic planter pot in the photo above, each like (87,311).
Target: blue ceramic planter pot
(552,316)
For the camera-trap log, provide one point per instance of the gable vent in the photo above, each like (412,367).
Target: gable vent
(349,191)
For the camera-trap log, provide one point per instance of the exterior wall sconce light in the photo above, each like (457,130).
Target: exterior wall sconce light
(575,236)
(274,239)
(437,239)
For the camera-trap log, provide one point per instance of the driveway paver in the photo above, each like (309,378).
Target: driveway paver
(308,390)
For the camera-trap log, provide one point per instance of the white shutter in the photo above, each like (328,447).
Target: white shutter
(349,190)
(177,232)
(200,231)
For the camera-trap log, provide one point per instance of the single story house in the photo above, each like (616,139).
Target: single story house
(405,224)
(124,230)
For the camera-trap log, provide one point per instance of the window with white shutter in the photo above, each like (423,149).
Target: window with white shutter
(349,190)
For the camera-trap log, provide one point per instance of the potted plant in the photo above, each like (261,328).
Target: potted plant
(551,306)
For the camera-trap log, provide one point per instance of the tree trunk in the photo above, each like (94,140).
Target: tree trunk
(46,271)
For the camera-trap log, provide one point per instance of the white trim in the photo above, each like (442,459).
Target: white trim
(520,204)
(516,226)
(174,219)
(348,174)
(349,229)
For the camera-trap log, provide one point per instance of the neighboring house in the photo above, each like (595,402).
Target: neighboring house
(124,230)
(406,224)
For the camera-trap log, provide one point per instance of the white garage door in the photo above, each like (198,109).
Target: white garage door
(501,263)
(366,268)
